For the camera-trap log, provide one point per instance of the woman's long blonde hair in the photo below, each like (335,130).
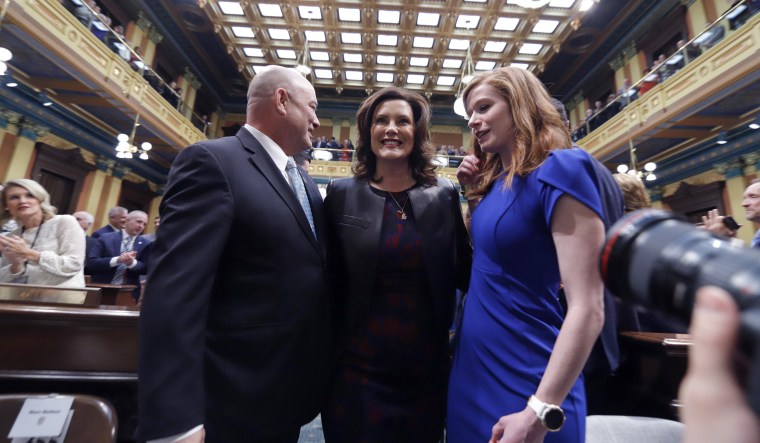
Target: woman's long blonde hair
(537,125)
(37,191)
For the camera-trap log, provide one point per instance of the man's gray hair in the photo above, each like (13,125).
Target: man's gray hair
(117,210)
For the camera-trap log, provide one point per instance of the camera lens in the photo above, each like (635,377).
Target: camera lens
(657,259)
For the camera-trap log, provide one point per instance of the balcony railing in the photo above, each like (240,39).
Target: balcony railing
(664,69)
(56,29)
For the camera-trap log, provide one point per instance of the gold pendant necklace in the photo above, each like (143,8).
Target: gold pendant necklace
(400,211)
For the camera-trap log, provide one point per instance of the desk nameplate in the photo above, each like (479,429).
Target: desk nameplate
(18,293)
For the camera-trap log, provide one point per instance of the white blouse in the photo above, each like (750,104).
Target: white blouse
(61,244)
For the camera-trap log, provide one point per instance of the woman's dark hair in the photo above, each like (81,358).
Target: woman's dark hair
(421,158)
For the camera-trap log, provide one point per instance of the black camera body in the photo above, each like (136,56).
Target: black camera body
(657,259)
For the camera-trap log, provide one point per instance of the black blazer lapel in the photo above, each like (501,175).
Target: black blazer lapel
(264,164)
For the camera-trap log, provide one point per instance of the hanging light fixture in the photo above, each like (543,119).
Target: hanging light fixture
(126,147)
(303,66)
(468,72)
(722,138)
(303,62)
(649,167)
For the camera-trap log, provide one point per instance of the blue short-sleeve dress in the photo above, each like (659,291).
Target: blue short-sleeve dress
(512,315)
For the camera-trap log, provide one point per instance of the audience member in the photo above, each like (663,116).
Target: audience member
(544,202)
(235,337)
(85,221)
(751,202)
(651,79)
(156,224)
(402,268)
(119,258)
(303,160)
(45,248)
(634,192)
(712,35)
(117,217)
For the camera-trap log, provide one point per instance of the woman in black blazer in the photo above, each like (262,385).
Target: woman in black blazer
(397,250)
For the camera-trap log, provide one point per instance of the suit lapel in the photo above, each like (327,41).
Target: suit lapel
(265,165)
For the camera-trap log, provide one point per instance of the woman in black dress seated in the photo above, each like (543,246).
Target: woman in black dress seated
(398,250)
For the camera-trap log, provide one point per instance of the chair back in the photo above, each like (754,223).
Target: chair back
(94,419)
(628,429)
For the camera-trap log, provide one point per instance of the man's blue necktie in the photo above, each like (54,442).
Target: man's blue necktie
(296,182)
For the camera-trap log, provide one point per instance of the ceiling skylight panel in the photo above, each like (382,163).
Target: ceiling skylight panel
(384,77)
(231,8)
(484,65)
(278,34)
(418,61)
(428,19)
(423,42)
(415,79)
(253,52)
(389,17)
(546,26)
(386,59)
(352,58)
(353,38)
(492,46)
(349,15)
(287,54)
(243,32)
(310,12)
(452,63)
(323,73)
(459,44)
(519,65)
(387,40)
(354,75)
(445,80)
(506,24)
(270,10)
(561,3)
(258,68)
(467,21)
(321,56)
(531,48)
(315,36)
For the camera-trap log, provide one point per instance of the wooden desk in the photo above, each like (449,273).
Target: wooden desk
(72,350)
(115,295)
(648,379)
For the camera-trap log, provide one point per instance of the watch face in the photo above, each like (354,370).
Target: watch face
(554,419)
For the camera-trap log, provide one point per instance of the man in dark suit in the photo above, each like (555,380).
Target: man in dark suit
(120,257)
(235,336)
(117,217)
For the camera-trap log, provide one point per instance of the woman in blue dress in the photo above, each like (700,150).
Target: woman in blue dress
(516,373)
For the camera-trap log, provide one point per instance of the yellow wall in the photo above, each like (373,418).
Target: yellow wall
(21,159)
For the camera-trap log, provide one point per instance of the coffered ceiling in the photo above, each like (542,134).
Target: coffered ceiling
(421,45)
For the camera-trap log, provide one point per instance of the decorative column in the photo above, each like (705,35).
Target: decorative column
(22,158)
(190,85)
(8,128)
(143,34)
(734,194)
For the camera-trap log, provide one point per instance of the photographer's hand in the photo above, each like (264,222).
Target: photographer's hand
(714,405)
